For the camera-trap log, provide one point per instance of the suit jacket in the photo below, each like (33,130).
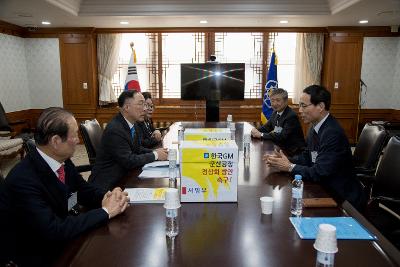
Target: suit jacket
(118,154)
(333,166)
(291,138)
(147,129)
(34,207)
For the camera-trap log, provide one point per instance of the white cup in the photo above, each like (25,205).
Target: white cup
(326,239)
(172,198)
(229,117)
(267,204)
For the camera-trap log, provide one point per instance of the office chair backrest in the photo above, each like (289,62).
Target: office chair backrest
(91,134)
(4,126)
(369,147)
(387,176)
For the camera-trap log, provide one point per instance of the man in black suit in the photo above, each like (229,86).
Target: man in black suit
(283,128)
(120,150)
(328,157)
(150,136)
(40,192)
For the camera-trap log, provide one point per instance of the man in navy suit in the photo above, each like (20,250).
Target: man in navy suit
(120,150)
(283,128)
(150,136)
(328,158)
(38,196)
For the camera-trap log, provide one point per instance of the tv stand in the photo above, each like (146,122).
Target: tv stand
(212,110)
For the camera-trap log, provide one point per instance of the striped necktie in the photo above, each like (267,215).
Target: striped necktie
(61,174)
(133,132)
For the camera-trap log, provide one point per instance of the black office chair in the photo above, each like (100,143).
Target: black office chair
(369,148)
(7,126)
(384,206)
(91,134)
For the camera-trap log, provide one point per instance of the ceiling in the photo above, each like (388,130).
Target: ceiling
(188,13)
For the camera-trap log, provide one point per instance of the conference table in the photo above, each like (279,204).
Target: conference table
(223,234)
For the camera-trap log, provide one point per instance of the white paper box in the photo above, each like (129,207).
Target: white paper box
(207,134)
(209,171)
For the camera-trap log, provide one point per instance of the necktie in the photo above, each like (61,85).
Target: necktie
(277,119)
(61,174)
(315,139)
(133,132)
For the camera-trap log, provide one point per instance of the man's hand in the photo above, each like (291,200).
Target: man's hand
(162,153)
(278,160)
(255,133)
(157,135)
(115,202)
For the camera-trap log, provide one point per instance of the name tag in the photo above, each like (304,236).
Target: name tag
(72,201)
(314,156)
(278,129)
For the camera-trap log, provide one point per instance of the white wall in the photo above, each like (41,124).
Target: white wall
(14,88)
(30,75)
(380,71)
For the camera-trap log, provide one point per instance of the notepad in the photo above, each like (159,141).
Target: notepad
(346,227)
(146,195)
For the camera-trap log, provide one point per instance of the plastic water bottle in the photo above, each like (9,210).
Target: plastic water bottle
(246,147)
(233,131)
(228,121)
(180,133)
(171,222)
(297,196)
(325,259)
(171,205)
(172,167)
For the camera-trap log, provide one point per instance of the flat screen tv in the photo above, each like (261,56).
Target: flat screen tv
(212,81)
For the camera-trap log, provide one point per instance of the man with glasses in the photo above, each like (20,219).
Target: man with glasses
(150,136)
(328,158)
(120,150)
(283,128)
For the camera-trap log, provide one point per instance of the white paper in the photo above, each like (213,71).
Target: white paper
(160,172)
(146,195)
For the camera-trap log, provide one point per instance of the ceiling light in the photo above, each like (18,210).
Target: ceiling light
(203,21)
(46,22)
(124,22)
(363,21)
(283,21)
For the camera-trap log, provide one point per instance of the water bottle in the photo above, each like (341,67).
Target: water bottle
(171,205)
(180,133)
(233,131)
(228,121)
(171,222)
(246,147)
(325,259)
(172,167)
(297,196)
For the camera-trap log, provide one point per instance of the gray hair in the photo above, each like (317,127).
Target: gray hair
(281,92)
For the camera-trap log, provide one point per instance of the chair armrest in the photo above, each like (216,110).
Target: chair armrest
(84,168)
(365,179)
(365,171)
(388,199)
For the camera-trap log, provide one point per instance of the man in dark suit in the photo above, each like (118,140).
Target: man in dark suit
(328,157)
(40,192)
(283,128)
(120,150)
(150,136)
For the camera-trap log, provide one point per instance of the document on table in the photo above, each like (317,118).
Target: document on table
(346,227)
(146,195)
(160,172)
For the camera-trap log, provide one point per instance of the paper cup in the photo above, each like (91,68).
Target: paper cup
(267,204)
(326,239)
(172,198)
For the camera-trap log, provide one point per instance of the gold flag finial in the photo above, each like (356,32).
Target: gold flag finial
(133,52)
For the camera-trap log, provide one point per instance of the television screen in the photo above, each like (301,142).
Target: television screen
(212,81)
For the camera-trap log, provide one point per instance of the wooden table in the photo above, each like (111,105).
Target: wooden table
(222,234)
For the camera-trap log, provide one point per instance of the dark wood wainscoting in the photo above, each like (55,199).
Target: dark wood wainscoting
(348,118)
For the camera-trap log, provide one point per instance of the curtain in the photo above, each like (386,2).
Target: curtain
(107,60)
(308,62)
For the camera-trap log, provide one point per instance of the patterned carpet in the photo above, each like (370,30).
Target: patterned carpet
(80,158)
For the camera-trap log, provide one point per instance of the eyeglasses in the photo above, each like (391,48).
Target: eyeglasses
(148,106)
(302,105)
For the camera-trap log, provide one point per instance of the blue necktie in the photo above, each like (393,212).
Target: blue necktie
(133,132)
